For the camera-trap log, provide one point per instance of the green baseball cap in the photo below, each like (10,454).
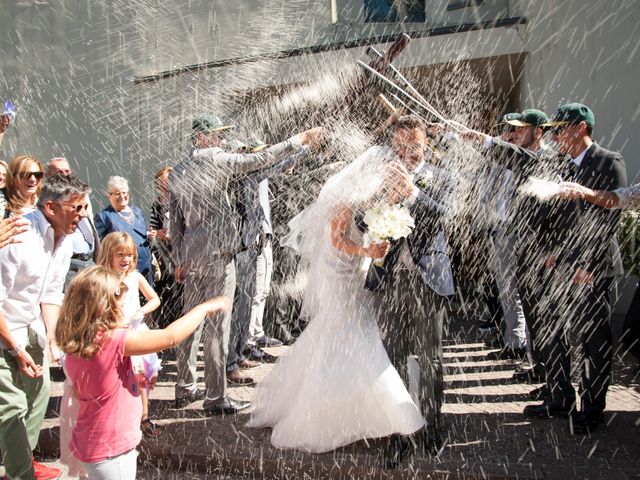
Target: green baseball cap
(528,118)
(572,113)
(208,123)
(508,117)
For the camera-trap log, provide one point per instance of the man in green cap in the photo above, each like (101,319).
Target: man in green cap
(586,257)
(206,229)
(529,133)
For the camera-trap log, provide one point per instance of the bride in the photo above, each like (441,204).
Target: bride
(336,384)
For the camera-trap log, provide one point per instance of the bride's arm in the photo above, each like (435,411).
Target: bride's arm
(340,239)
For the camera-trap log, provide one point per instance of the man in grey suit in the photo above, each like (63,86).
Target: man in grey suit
(206,224)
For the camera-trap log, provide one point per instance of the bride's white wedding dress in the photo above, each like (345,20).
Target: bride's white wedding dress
(336,384)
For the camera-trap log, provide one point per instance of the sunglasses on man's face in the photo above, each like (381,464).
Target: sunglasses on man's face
(26,175)
(76,207)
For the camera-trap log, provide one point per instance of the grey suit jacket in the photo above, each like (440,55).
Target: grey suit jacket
(255,201)
(204,193)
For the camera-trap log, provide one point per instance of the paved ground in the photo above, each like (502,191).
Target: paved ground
(488,437)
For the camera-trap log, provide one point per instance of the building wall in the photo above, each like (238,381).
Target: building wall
(587,52)
(69,65)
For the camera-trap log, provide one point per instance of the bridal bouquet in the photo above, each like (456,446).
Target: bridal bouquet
(387,222)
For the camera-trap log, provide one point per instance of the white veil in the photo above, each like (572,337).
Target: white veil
(358,184)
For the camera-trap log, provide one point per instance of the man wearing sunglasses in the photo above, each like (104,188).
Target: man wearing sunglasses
(32,279)
(586,258)
(86,241)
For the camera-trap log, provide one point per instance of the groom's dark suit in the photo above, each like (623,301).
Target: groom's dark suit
(410,312)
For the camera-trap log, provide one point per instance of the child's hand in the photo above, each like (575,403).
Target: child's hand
(217,304)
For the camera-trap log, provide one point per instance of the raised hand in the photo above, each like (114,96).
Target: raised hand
(313,137)
(573,191)
(398,182)
(216,304)
(10,227)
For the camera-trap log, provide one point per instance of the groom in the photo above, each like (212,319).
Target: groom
(413,283)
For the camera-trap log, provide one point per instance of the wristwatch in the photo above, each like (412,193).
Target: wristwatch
(16,351)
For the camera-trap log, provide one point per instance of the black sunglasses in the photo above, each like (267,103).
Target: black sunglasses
(26,175)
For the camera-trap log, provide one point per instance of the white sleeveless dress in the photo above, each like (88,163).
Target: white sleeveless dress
(336,384)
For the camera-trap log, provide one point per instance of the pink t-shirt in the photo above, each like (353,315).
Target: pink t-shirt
(109,405)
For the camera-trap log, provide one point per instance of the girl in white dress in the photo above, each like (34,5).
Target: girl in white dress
(118,252)
(336,384)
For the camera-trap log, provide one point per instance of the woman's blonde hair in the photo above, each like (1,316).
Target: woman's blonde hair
(111,243)
(91,308)
(18,165)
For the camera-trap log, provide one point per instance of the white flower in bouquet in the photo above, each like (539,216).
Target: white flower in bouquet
(425,179)
(387,222)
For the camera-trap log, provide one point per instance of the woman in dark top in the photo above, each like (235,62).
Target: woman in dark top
(120,217)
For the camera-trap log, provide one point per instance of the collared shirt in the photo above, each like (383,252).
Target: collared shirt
(579,158)
(32,273)
(82,241)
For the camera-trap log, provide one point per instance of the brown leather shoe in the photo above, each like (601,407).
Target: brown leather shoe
(246,364)
(235,378)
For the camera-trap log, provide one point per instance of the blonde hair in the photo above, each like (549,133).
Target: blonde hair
(91,308)
(111,243)
(18,165)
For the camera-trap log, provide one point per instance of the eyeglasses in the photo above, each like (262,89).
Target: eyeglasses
(27,175)
(76,207)
(119,194)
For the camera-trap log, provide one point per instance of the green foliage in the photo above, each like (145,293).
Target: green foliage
(629,238)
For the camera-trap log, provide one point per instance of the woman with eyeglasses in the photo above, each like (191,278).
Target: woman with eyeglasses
(122,217)
(24,182)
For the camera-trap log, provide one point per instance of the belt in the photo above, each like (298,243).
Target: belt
(85,257)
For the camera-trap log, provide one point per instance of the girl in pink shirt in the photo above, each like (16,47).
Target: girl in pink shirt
(98,349)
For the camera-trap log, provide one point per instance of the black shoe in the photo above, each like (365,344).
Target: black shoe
(254,353)
(394,452)
(549,409)
(508,353)
(431,441)
(540,393)
(581,423)
(532,375)
(227,406)
(187,398)
(268,342)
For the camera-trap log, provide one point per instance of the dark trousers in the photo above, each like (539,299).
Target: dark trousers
(241,317)
(582,317)
(533,280)
(411,318)
(631,330)
(75,266)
